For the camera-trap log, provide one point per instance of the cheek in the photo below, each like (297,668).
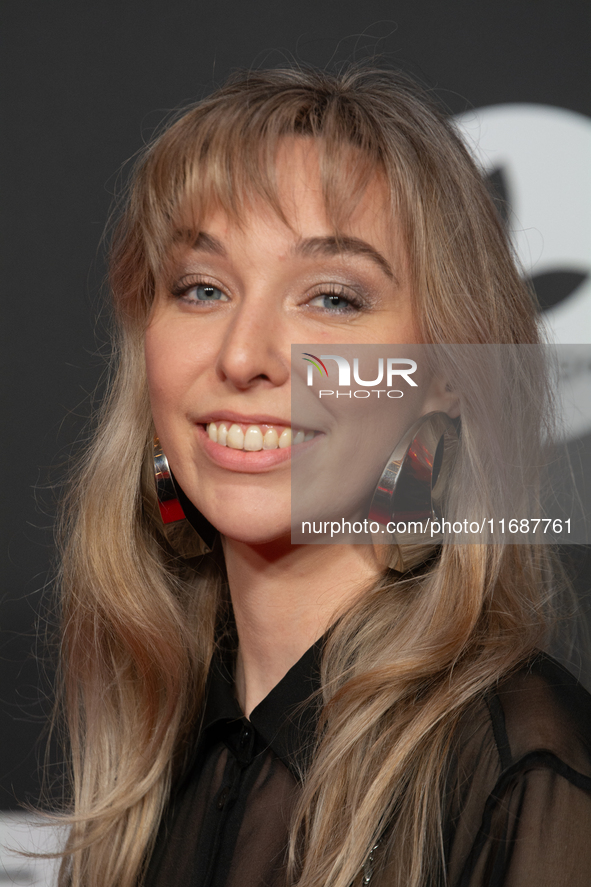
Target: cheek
(157,367)
(401,327)
(179,370)
(168,373)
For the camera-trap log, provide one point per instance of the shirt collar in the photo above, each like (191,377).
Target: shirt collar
(286,718)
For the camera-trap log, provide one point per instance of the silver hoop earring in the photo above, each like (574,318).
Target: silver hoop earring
(412,489)
(185,528)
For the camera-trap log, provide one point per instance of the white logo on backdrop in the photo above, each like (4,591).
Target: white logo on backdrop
(543,156)
(538,159)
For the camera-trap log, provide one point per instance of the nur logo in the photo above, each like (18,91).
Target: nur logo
(399,367)
(314,361)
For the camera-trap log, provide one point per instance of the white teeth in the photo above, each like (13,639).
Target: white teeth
(270,440)
(285,439)
(235,437)
(254,439)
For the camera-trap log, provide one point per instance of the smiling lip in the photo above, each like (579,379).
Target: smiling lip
(241,419)
(255,462)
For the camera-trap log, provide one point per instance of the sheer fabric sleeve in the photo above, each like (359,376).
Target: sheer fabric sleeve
(535,830)
(517,809)
(521,804)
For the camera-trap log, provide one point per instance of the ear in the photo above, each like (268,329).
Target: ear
(442,398)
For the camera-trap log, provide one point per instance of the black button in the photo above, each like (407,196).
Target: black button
(244,737)
(223,797)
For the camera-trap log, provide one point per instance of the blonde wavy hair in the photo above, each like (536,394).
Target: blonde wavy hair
(140,623)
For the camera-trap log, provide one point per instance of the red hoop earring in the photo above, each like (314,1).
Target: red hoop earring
(414,484)
(185,528)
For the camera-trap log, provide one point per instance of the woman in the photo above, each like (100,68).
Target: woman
(270,713)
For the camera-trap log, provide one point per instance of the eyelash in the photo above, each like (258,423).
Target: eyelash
(354,303)
(181,289)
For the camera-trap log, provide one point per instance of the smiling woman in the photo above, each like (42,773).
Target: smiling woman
(311,715)
(235,298)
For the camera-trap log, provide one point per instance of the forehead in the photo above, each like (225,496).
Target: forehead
(303,200)
(347,193)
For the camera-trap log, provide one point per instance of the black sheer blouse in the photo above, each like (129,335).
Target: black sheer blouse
(518,801)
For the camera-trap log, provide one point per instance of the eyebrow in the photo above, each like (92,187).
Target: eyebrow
(207,243)
(310,246)
(335,246)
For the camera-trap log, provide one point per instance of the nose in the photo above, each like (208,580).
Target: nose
(255,349)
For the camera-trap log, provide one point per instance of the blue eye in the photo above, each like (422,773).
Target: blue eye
(204,292)
(334,303)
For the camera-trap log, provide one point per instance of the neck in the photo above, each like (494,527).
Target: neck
(284,598)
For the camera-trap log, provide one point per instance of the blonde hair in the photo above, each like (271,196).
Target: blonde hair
(139,623)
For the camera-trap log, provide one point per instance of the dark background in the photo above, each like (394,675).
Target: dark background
(85,84)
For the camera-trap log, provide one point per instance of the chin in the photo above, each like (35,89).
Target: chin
(252,528)
(256,536)
(243,508)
